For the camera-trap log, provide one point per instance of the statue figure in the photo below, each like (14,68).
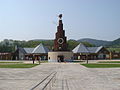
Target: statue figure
(60,16)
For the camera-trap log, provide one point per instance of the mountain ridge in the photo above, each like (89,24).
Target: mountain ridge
(96,42)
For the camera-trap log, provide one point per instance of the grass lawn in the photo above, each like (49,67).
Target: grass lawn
(16,65)
(109,62)
(101,65)
(11,62)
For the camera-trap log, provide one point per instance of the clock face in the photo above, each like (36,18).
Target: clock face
(60,40)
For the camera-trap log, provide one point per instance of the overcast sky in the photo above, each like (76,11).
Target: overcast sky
(37,19)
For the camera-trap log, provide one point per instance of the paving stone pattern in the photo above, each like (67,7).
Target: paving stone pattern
(70,76)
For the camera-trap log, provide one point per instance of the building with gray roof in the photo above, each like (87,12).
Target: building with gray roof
(83,52)
(40,49)
(80,49)
(28,50)
(39,52)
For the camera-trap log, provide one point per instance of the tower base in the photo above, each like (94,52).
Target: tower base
(60,56)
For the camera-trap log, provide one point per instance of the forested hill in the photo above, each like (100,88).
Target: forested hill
(9,45)
(95,41)
(114,43)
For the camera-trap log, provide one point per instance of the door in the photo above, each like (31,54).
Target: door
(60,58)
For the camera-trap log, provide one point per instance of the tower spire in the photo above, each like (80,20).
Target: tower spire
(60,42)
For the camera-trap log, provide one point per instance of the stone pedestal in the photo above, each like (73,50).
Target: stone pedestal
(60,56)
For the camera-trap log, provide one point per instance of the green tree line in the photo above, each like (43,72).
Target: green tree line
(9,45)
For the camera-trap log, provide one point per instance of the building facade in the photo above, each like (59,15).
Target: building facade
(81,52)
(38,53)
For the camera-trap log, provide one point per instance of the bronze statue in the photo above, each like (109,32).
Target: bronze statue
(60,16)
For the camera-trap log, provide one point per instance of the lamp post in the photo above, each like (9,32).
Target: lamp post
(87,57)
(33,58)
(80,56)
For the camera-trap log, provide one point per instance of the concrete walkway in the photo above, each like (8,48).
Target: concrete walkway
(69,77)
(78,77)
(24,79)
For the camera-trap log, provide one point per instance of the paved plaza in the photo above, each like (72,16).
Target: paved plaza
(70,76)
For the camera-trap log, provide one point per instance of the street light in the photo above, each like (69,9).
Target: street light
(87,58)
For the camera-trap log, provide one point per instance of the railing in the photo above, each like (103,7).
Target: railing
(49,83)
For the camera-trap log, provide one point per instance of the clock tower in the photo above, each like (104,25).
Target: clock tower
(60,52)
(60,42)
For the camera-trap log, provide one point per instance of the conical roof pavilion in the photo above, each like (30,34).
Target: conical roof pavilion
(40,49)
(80,49)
